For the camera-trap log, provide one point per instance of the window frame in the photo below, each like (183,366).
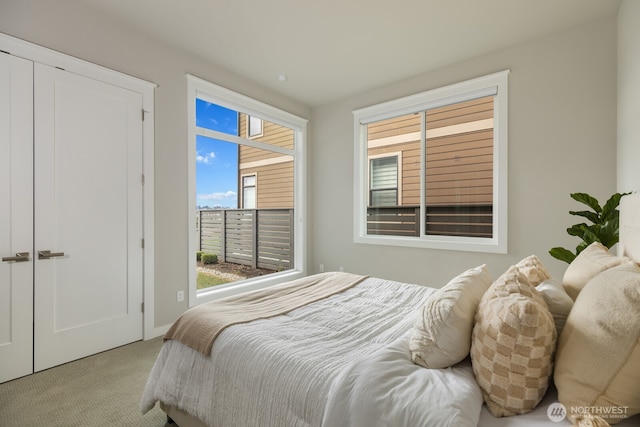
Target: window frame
(398,187)
(496,84)
(244,186)
(249,127)
(202,89)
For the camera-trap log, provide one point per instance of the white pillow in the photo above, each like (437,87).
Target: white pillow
(593,260)
(558,301)
(598,355)
(441,336)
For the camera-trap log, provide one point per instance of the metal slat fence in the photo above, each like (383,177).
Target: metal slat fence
(448,220)
(260,238)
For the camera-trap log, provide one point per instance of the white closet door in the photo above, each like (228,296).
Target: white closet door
(16,217)
(88,215)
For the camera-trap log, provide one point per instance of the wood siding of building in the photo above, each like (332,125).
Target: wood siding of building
(460,164)
(273,171)
(400,135)
(459,154)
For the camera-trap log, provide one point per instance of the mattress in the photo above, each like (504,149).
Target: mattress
(341,361)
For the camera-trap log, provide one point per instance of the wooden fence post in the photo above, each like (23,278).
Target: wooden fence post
(223,237)
(291,237)
(254,239)
(199,231)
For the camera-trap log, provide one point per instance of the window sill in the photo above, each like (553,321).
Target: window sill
(436,242)
(248,285)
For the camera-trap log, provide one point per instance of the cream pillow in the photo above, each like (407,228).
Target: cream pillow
(512,345)
(558,301)
(532,267)
(441,336)
(593,259)
(598,358)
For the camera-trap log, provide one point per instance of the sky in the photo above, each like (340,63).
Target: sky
(216,160)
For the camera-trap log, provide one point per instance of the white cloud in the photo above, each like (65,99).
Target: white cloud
(218,196)
(205,158)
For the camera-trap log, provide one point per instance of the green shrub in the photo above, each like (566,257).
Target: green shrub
(209,258)
(199,255)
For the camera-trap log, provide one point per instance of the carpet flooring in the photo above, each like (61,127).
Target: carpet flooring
(99,390)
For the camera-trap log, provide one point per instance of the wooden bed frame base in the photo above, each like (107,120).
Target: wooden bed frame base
(181,418)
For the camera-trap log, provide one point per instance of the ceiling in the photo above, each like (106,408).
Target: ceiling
(331,49)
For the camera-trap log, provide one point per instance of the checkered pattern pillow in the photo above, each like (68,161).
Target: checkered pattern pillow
(533,269)
(512,345)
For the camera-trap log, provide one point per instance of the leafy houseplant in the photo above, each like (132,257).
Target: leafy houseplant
(603,228)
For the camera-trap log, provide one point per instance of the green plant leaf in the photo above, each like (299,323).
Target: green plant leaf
(587,200)
(591,216)
(609,235)
(589,237)
(577,229)
(610,208)
(581,247)
(562,254)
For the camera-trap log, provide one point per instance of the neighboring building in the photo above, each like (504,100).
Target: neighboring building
(265,178)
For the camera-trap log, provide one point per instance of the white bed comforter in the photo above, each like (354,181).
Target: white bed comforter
(342,361)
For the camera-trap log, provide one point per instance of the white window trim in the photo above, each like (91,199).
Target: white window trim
(202,89)
(493,84)
(242,186)
(257,135)
(398,155)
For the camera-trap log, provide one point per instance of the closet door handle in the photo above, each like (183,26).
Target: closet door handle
(20,257)
(49,254)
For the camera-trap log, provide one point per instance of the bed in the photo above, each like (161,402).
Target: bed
(338,349)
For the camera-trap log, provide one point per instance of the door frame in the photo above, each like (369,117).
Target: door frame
(71,64)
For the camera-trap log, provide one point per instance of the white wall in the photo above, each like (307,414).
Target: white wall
(629,96)
(562,139)
(71,28)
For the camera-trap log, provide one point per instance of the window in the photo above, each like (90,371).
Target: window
(431,169)
(254,127)
(246,197)
(383,188)
(249,192)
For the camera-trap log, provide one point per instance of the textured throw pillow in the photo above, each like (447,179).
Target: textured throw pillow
(441,336)
(512,345)
(598,357)
(558,301)
(594,259)
(532,267)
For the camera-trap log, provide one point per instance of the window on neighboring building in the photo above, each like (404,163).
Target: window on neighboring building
(249,192)
(383,188)
(261,226)
(254,127)
(447,185)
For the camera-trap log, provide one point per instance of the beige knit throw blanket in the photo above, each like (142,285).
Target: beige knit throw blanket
(199,326)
